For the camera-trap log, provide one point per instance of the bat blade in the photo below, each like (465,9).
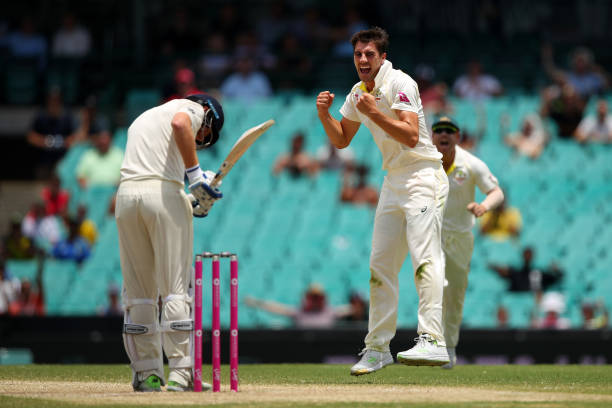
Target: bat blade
(240,147)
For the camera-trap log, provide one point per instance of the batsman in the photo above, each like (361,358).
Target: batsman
(154,221)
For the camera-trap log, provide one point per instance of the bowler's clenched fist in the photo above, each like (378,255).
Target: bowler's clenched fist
(366,104)
(324,101)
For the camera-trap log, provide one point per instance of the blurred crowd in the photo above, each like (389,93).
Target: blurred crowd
(288,49)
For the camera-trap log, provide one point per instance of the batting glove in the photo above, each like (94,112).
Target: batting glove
(197,210)
(204,194)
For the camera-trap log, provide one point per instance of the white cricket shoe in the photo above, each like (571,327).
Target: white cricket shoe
(426,352)
(452,357)
(371,361)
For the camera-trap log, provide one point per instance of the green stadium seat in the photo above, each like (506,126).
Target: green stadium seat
(139,100)
(22,269)
(58,279)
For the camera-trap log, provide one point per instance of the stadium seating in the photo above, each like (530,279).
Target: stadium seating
(292,232)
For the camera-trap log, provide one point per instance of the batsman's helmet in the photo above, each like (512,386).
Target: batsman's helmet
(213,118)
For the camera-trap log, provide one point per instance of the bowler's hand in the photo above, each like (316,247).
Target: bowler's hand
(477,209)
(324,101)
(366,104)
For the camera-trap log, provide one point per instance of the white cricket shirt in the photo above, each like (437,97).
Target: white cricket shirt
(467,172)
(151,150)
(393,89)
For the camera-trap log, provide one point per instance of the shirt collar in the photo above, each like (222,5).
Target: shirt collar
(385,68)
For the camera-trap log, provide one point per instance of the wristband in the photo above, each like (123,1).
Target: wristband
(194,173)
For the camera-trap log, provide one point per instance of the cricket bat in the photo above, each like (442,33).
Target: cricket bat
(240,147)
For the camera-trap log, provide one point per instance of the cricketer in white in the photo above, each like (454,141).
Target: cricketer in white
(465,171)
(154,221)
(411,206)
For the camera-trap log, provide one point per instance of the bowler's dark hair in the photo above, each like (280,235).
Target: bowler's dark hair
(374,34)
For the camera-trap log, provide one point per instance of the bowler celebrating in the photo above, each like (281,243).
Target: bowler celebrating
(411,205)
(465,171)
(154,220)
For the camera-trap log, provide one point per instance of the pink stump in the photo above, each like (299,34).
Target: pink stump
(216,326)
(234,323)
(197,334)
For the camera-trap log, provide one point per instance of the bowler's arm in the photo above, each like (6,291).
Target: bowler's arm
(404,129)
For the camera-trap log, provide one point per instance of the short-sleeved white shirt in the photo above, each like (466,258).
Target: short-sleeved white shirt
(467,172)
(151,150)
(393,89)
(596,131)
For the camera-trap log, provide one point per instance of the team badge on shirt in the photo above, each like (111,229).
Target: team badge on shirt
(460,175)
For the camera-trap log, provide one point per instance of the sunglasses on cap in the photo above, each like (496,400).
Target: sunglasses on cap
(445,129)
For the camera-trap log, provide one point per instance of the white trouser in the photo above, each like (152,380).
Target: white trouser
(408,220)
(155,227)
(458,247)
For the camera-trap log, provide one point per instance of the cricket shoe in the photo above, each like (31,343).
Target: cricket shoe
(426,352)
(174,386)
(151,384)
(452,357)
(371,360)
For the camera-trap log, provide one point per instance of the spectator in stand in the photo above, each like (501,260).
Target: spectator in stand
(42,229)
(329,157)
(314,312)
(596,128)
(9,288)
(185,84)
(30,301)
(74,246)
(552,306)
(502,317)
(27,42)
(100,165)
(585,76)
(359,309)
(434,95)
(355,188)
(502,222)
(594,315)
(15,244)
(531,139)
(72,40)
(297,162)
(215,62)
(475,85)
(527,277)
(113,307)
(246,84)
(563,105)
(51,134)
(55,197)
(248,45)
(87,228)
(92,121)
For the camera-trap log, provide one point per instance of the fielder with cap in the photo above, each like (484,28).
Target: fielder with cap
(154,220)
(465,171)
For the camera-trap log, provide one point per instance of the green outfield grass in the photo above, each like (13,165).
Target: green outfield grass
(543,385)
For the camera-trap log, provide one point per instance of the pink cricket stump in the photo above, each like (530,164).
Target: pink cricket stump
(234,323)
(197,317)
(216,326)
